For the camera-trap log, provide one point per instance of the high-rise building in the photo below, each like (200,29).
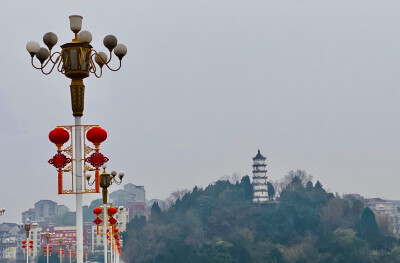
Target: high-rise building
(260,189)
(131,193)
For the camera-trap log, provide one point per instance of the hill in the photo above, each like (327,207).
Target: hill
(220,224)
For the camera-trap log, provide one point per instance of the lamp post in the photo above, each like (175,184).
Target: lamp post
(70,245)
(86,252)
(28,227)
(2,211)
(106,180)
(76,60)
(61,253)
(47,235)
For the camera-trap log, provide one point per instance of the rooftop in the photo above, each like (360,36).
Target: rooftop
(259,156)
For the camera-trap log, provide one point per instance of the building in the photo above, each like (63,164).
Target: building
(29,214)
(10,237)
(136,209)
(385,210)
(62,209)
(44,211)
(130,193)
(260,189)
(121,197)
(137,190)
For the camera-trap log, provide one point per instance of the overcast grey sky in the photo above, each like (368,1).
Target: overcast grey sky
(313,83)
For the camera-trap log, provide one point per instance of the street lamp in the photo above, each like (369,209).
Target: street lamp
(70,251)
(106,180)
(60,251)
(28,227)
(47,235)
(2,211)
(76,60)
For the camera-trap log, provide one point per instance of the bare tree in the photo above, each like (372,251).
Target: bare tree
(302,175)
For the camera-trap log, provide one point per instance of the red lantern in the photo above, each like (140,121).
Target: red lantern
(23,246)
(112,210)
(31,246)
(23,241)
(30,241)
(97,210)
(59,136)
(96,135)
(116,237)
(116,230)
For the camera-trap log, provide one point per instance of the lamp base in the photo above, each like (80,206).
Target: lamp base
(77,97)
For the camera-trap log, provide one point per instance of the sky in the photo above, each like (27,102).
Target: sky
(205,84)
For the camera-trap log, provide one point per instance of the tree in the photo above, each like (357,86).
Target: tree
(348,247)
(302,175)
(295,184)
(318,185)
(248,188)
(155,210)
(309,185)
(175,196)
(271,191)
(367,227)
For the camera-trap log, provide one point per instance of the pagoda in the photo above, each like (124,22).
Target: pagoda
(260,189)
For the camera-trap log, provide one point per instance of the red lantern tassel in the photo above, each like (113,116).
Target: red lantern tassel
(97,180)
(60,181)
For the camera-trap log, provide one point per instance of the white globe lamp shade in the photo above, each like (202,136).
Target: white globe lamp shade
(85,37)
(101,58)
(32,47)
(120,51)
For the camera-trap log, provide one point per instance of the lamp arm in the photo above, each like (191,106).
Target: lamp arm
(106,63)
(94,68)
(117,182)
(33,64)
(109,59)
(54,63)
(51,59)
(120,64)
(91,183)
(51,56)
(60,69)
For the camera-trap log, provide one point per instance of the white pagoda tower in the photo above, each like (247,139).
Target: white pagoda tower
(260,190)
